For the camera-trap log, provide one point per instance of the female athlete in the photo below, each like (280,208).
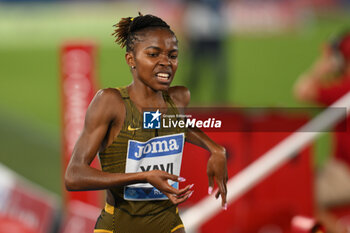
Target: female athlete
(140,167)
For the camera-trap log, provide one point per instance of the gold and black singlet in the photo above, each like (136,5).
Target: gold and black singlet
(135,149)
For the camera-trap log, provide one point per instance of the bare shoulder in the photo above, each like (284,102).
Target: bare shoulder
(108,96)
(109,102)
(180,95)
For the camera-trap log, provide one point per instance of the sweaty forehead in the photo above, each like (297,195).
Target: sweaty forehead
(156,37)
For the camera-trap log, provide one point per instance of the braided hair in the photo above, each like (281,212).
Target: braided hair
(128,30)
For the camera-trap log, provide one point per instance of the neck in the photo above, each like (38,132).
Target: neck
(144,96)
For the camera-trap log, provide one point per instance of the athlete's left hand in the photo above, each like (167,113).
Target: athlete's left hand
(159,179)
(217,170)
(181,196)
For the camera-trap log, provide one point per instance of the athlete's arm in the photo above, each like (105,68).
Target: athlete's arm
(100,118)
(103,121)
(216,167)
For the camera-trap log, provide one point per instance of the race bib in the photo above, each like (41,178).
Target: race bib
(161,153)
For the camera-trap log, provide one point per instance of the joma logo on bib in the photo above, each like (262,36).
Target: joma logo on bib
(159,153)
(158,146)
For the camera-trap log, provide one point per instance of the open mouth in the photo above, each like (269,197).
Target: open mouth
(163,77)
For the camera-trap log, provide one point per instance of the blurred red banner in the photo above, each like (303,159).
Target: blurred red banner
(78,86)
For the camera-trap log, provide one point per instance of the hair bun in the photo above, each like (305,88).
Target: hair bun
(127,28)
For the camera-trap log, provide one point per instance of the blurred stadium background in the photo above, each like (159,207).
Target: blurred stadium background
(268,44)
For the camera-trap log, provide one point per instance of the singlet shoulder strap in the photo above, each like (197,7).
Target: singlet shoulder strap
(123,92)
(169,101)
(172,108)
(133,117)
(126,98)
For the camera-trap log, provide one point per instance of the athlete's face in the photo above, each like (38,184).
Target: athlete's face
(155,58)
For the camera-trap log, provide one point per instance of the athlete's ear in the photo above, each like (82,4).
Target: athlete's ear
(130,59)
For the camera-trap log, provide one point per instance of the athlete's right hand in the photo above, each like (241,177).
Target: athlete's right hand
(159,179)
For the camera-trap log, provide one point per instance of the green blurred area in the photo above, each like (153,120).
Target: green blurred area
(262,71)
